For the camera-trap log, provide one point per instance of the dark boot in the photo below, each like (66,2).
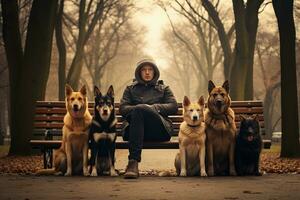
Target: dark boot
(132,170)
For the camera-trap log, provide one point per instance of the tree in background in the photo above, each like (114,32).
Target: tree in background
(246,24)
(267,60)
(105,41)
(198,36)
(188,59)
(237,62)
(290,146)
(86,28)
(3,87)
(62,50)
(184,69)
(28,69)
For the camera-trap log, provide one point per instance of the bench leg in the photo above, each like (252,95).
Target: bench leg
(48,158)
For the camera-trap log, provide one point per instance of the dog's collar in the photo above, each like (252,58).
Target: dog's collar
(194,126)
(223,117)
(219,116)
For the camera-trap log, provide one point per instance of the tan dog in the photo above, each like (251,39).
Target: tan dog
(220,131)
(191,159)
(72,157)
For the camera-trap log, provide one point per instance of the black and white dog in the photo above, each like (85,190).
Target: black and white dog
(103,134)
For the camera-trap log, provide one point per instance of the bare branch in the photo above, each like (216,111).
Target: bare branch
(70,30)
(196,57)
(200,16)
(69,19)
(275,124)
(264,6)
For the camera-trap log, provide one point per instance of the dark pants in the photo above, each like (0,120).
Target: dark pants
(145,124)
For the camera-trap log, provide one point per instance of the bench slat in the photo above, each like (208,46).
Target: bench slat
(60,111)
(117,104)
(173,144)
(59,125)
(174,118)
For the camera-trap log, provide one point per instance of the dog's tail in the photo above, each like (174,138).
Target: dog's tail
(46,172)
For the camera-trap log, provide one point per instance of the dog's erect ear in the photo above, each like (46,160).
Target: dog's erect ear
(226,86)
(211,86)
(242,118)
(83,90)
(68,90)
(201,101)
(110,91)
(97,91)
(186,101)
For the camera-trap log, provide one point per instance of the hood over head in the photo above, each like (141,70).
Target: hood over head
(139,66)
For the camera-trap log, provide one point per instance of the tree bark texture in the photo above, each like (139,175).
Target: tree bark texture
(290,146)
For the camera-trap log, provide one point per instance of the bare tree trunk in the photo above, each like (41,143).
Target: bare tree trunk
(224,40)
(37,53)
(83,36)
(290,146)
(251,26)
(268,105)
(61,51)
(14,54)
(28,73)
(239,67)
(246,22)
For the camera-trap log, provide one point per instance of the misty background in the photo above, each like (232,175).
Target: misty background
(184,44)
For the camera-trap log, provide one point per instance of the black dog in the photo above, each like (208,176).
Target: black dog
(248,147)
(103,134)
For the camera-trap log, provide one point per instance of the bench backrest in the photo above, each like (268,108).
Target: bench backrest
(49,115)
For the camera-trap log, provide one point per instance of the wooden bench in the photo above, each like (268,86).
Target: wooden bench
(49,122)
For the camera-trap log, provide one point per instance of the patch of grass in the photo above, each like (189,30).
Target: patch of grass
(275,148)
(4,150)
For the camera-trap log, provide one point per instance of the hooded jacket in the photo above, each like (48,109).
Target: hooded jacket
(153,93)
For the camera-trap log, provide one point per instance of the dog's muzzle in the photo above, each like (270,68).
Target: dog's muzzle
(105,112)
(195,118)
(250,134)
(76,108)
(219,103)
(250,138)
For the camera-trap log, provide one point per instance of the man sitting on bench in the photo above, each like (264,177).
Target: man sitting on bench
(145,106)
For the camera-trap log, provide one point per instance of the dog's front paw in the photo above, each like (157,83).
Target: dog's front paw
(94,172)
(68,173)
(86,173)
(232,173)
(183,173)
(58,173)
(203,173)
(211,172)
(114,173)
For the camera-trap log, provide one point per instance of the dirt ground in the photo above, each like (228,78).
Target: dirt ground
(17,181)
(267,187)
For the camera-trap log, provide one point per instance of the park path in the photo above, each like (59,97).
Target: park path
(267,187)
